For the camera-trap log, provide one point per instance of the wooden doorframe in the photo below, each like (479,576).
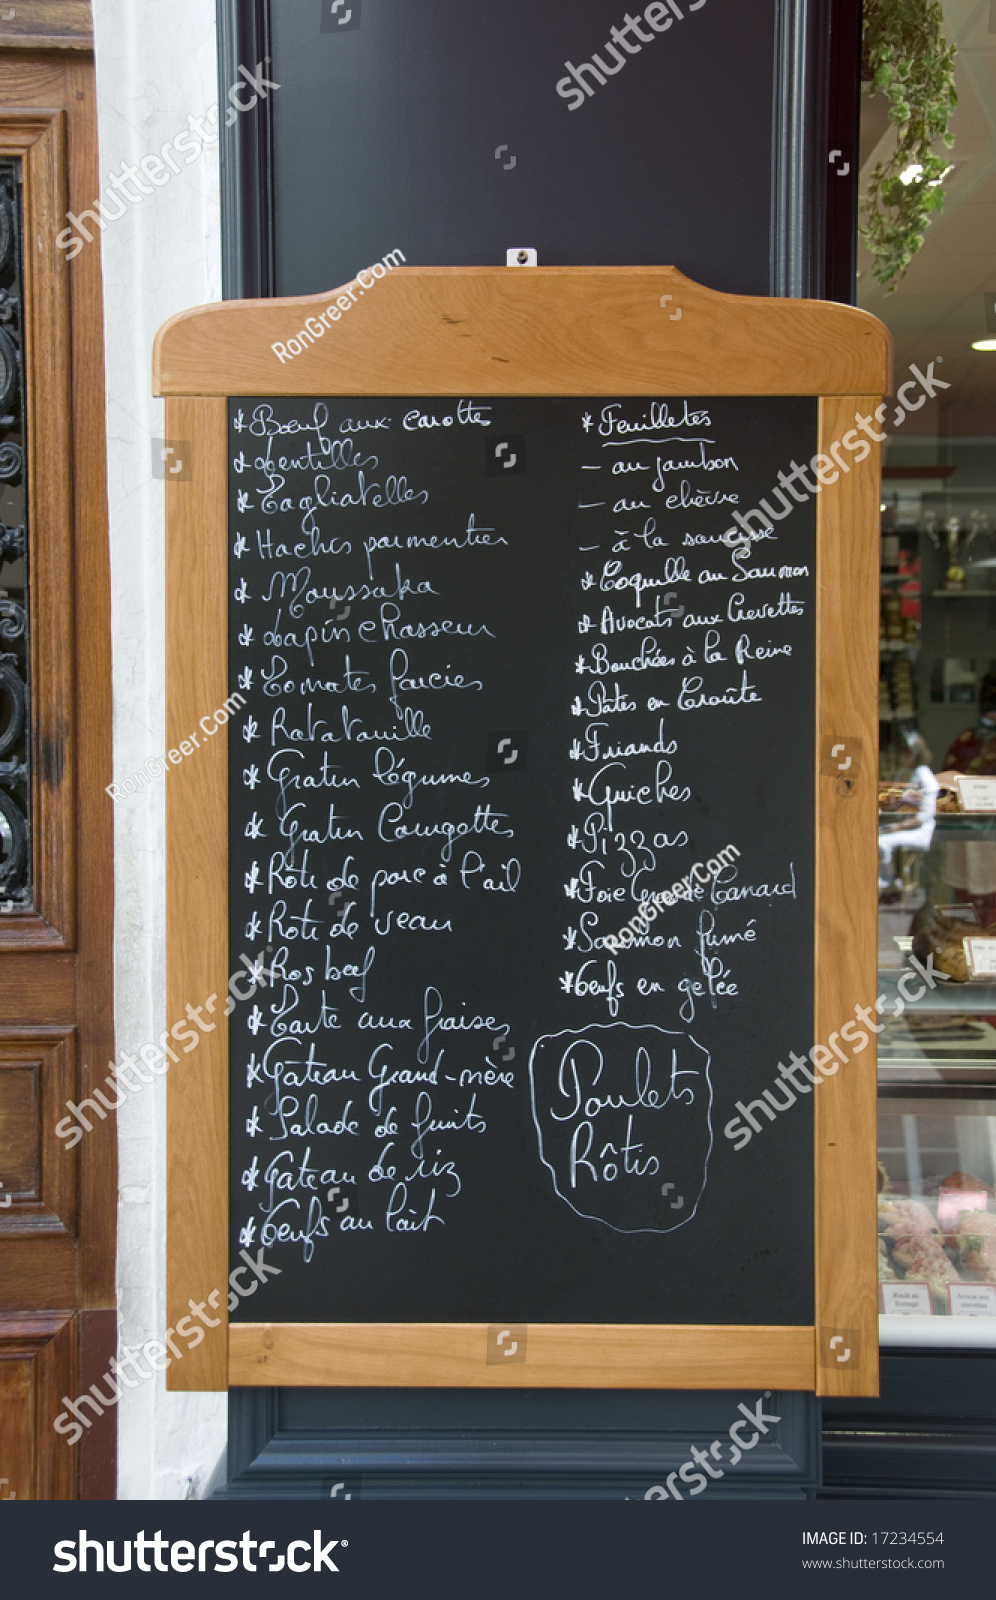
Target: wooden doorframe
(58,1319)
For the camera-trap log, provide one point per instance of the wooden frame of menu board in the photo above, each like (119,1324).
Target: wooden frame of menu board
(531,332)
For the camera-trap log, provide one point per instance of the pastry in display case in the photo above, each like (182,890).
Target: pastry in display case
(942,1239)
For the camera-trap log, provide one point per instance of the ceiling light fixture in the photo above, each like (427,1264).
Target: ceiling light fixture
(984,344)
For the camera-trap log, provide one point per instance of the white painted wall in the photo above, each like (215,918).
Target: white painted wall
(156,63)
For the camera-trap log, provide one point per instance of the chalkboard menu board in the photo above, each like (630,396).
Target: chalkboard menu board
(510,667)
(531,805)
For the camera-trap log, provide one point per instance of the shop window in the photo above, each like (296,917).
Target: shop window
(937,709)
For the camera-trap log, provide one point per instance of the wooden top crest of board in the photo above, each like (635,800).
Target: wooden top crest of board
(529,331)
(587,331)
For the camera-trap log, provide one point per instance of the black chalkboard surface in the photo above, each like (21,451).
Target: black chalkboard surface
(447,138)
(507,671)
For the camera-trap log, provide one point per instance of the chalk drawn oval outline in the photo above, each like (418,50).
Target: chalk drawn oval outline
(579,1034)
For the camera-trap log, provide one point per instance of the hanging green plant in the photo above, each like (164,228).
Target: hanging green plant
(906,55)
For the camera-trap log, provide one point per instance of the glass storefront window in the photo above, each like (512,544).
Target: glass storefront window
(937,708)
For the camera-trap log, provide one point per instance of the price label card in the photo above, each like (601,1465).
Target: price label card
(961,914)
(977,794)
(906,1299)
(981,957)
(972,1299)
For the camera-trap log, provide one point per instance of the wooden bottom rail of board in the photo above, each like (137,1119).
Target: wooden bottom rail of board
(536,1355)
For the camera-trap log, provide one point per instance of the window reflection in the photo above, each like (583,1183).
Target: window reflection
(937,710)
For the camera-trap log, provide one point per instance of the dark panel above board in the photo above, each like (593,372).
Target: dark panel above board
(438,129)
(508,666)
